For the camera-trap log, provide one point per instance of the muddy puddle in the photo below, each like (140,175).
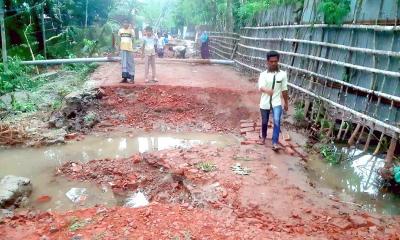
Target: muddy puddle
(39,164)
(355,181)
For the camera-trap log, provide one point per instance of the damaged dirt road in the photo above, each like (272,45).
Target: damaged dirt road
(242,191)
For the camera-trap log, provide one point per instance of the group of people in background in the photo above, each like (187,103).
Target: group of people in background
(272,83)
(153,44)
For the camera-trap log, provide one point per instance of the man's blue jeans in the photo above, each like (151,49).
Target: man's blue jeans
(276,113)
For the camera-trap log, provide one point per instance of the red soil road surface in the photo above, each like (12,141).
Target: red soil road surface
(275,201)
(180,74)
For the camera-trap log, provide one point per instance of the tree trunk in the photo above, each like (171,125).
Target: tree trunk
(229,16)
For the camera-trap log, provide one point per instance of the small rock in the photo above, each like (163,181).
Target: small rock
(43,199)
(53,229)
(77,237)
(224,193)
(358,221)
(6,213)
(13,189)
(76,168)
(71,136)
(343,224)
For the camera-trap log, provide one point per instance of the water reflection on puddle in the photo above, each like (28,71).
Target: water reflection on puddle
(356,180)
(39,164)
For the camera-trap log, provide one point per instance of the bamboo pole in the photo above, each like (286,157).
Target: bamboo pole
(222,37)
(368,142)
(352,139)
(343,64)
(342,83)
(378,28)
(3,36)
(346,130)
(221,56)
(340,129)
(225,33)
(326,44)
(390,152)
(224,43)
(220,51)
(222,46)
(360,135)
(378,147)
(43,32)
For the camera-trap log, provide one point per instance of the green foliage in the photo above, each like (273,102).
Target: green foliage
(24,106)
(76,224)
(17,77)
(83,69)
(325,123)
(334,11)
(332,154)
(206,166)
(56,105)
(250,8)
(299,115)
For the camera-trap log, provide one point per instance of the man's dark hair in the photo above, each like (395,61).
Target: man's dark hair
(272,54)
(149,29)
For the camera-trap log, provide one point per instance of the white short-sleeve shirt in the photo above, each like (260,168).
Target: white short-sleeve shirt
(266,80)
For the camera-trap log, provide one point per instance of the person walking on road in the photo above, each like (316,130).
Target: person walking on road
(149,53)
(126,34)
(272,84)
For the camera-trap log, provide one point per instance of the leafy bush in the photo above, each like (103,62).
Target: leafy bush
(17,77)
(334,11)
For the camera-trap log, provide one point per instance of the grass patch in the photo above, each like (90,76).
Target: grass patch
(206,166)
(76,224)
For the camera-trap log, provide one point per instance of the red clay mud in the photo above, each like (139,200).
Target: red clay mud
(276,200)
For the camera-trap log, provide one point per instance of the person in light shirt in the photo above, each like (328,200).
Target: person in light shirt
(273,85)
(126,34)
(149,54)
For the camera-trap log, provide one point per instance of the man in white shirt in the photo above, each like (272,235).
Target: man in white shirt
(272,85)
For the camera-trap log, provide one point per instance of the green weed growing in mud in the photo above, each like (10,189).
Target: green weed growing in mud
(299,115)
(206,166)
(332,154)
(56,105)
(299,112)
(27,106)
(76,224)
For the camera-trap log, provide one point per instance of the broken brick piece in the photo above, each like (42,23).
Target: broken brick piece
(248,142)
(244,130)
(252,136)
(246,121)
(289,150)
(246,125)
